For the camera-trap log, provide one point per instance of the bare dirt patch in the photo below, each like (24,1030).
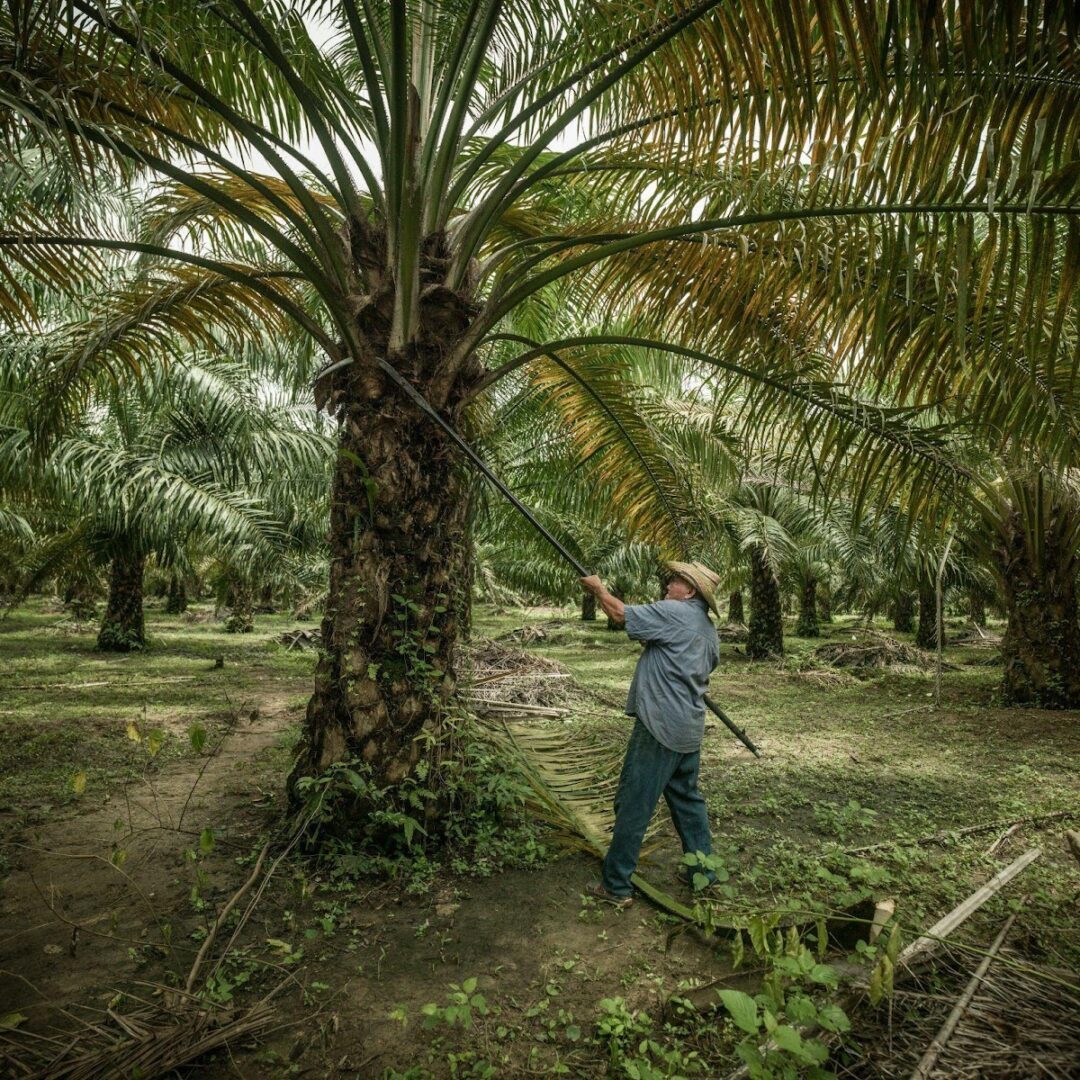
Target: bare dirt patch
(98,912)
(89,898)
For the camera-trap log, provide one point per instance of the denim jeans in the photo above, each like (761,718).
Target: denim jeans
(649,771)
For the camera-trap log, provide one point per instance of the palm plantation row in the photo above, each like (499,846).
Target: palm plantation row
(699,278)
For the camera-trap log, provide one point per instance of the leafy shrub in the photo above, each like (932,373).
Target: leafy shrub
(462,809)
(780,1020)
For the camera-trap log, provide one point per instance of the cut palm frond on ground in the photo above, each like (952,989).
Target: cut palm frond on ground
(572,787)
(873,650)
(1020,1021)
(147,1042)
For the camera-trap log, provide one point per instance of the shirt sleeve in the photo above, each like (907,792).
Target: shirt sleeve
(652,622)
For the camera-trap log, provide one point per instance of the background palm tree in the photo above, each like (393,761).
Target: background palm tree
(776,528)
(193,453)
(1029,528)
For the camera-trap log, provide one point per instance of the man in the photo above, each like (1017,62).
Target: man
(667,701)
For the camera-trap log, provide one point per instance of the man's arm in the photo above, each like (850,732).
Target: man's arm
(612,606)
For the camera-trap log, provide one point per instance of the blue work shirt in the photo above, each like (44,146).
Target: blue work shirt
(668,690)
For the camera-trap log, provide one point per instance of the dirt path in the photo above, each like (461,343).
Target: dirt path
(120,874)
(372,955)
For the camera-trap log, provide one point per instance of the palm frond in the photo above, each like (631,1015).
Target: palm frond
(568,785)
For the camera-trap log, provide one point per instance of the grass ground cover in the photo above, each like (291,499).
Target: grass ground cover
(376,968)
(65,708)
(871,763)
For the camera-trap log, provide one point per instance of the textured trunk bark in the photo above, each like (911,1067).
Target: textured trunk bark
(766,622)
(824,599)
(400,559)
(266,601)
(588,608)
(399,591)
(977,608)
(807,625)
(241,618)
(903,613)
(1041,647)
(176,604)
(735,612)
(122,629)
(926,637)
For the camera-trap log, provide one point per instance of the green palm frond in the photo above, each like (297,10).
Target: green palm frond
(611,437)
(14,528)
(157,316)
(199,449)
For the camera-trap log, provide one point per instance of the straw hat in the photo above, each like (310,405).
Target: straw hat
(701,577)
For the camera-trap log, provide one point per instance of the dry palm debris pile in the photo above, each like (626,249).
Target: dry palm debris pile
(524,635)
(977,638)
(1016,1019)
(301,639)
(504,679)
(825,678)
(150,1041)
(874,650)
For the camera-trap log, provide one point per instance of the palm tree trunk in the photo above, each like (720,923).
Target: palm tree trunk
(903,613)
(807,625)
(766,621)
(1041,647)
(824,599)
(398,595)
(588,608)
(977,607)
(266,601)
(926,637)
(735,612)
(176,604)
(241,618)
(123,629)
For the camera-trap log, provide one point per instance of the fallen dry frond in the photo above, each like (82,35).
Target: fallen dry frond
(825,678)
(147,1042)
(1020,1021)
(976,638)
(498,674)
(872,649)
(524,634)
(301,639)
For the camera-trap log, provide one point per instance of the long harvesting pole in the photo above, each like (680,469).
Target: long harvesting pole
(424,406)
